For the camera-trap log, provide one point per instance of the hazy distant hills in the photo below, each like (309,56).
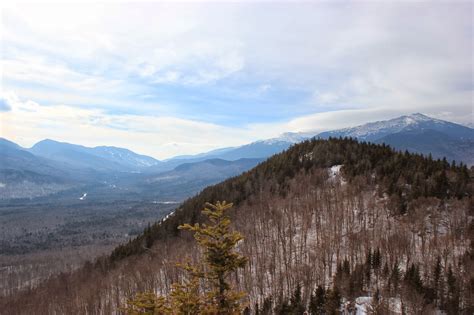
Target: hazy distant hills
(188,179)
(261,149)
(255,150)
(16,158)
(25,175)
(110,173)
(102,158)
(51,166)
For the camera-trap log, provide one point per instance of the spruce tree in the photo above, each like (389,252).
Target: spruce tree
(218,242)
(332,303)
(296,301)
(283,307)
(452,299)
(221,259)
(317,300)
(267,306)
(147,303)
(437,289)
(395,278)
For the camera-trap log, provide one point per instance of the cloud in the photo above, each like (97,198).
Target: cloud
(159,136)
(232,72)
(163,136)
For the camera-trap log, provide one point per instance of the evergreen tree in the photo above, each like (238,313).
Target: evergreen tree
(413,278)
(317,301)
(452,298)
(395,279)
(296,302)
(257,309)
(376,260)
(219,242)
(368,267)
(267,306)
(437,290)
(283,308)
(220,260)
(147,303)
(332,303)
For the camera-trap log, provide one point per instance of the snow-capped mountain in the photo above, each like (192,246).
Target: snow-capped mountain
(291,137)
(416,133)
(414,122)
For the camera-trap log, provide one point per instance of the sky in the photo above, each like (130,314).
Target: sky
(173,78)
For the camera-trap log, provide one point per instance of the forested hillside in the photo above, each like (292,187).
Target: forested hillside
(325,222)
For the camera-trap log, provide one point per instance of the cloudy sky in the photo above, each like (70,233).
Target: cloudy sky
(180,78)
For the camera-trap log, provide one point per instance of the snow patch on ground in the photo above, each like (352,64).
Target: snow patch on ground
(363,305)
(334,171)
(167,217)
(395,305)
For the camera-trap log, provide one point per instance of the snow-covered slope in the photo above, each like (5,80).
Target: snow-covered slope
(416,133)
(414,122)
(124,156)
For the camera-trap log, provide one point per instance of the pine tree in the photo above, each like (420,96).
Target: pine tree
(296,301)
(267,306)
(219,242)
(283,308)
(332,303)
(317,301)
(437,290)
(368,266)
(257,309)
(147,303)
(395,278)
(220,260)
(376,259)
(452,299)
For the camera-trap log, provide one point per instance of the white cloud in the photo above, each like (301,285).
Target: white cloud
(28,122)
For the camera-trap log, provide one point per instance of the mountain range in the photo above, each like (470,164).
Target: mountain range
(356,218)
(51,166)
(416,133)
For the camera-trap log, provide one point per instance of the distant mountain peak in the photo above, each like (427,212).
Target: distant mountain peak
(295,137)
(7,143)
(419,116)
(376,130)
(100,158)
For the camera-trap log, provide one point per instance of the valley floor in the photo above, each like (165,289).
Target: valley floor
(41,240)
